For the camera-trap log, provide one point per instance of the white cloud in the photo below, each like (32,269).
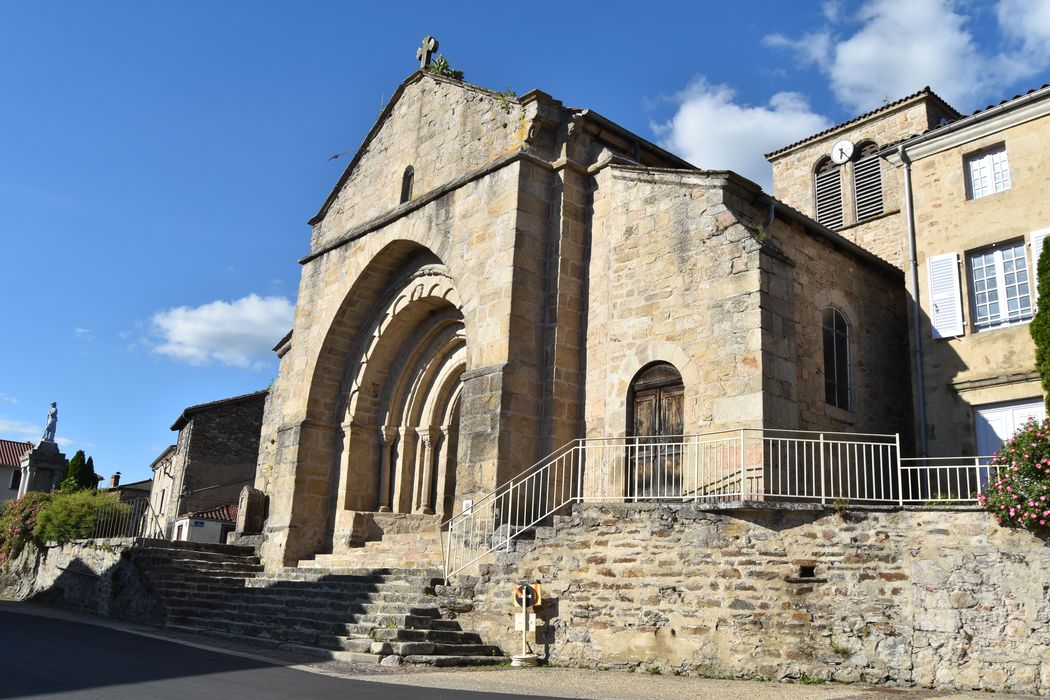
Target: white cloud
(239,333)
(1026,22)
(19,430)
(713,131)
(903,46)
(5,398)
(84,333)
(897,46)
(813,48)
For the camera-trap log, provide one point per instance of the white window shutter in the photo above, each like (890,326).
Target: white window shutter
(1036,238)
(945,300)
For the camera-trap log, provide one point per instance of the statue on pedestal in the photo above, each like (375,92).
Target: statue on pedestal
(52,423)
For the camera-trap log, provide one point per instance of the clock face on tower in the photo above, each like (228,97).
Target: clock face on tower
(841,151)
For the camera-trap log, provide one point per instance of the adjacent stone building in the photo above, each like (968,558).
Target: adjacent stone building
(494,276)
(981,214)
(212,460)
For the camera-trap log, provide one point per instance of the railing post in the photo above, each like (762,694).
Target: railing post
(696,469)
(578,450)
(743,468)
(823,495)
(900,474)
(977,473)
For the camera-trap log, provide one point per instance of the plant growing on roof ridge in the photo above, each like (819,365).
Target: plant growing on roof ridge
(1019,494)
(440,66)
(1040,325)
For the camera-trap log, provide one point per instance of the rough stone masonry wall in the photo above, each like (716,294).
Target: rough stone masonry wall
(673,277)
(222,451)
(103,577)
(793,176)
(942,598)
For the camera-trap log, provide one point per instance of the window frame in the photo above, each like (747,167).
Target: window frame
(16,479)
(977,156)
(999,264)
(833,382)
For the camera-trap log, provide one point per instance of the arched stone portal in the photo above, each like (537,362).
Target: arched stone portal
(400,417)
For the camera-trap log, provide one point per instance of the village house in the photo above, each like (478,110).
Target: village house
(11,453)
(205,470)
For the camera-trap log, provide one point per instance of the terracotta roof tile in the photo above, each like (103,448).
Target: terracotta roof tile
(227,513)
(11,452)
(975,113)
(926,91)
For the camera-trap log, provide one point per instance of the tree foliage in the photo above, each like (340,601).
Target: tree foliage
(80,474)
(1040,325)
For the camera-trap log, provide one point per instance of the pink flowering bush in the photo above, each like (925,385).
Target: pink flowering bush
(1018,491)
(18,522)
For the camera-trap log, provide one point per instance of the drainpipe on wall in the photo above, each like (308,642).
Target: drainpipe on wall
(913,299)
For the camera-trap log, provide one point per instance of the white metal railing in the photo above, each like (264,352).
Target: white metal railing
(134,518)
(739,465)
(933,480)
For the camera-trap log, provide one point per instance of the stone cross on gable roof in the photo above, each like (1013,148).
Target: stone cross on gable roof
(429,46)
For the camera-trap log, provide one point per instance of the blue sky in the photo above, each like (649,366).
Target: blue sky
(159,160)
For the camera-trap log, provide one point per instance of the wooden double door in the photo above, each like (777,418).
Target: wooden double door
(656,425)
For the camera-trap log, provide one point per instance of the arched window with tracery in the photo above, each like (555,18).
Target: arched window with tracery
(867,182)
(828,188)
(837,391)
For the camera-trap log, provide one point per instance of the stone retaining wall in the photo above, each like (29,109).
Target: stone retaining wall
(104,577)
(940,598)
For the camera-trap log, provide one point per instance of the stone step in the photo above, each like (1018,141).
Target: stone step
(417,560)
(145,545)
(170,554)
(445,661)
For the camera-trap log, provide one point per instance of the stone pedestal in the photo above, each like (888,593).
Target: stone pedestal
(43,468)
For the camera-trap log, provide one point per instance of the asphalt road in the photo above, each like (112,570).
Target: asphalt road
(45,657)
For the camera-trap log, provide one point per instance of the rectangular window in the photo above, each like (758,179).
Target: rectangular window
(988,172)
(999,286)
(16,479)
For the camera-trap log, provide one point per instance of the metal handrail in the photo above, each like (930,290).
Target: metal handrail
(750,464)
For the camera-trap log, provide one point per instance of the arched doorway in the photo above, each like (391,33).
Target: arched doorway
(400,420)
(655,425)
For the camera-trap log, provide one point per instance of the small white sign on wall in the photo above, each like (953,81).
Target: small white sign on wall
(468,505)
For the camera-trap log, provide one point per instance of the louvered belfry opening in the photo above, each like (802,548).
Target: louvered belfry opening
(867,182)
(829,194)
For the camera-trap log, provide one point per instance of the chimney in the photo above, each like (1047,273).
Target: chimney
(114,481)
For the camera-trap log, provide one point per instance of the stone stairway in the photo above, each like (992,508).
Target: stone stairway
(416,551)
(355,613)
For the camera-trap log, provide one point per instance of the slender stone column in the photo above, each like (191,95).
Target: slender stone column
(429,438)
(386,445)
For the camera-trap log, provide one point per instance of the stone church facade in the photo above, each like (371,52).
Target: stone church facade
(495,276)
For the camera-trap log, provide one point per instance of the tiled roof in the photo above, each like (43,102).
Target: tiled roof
(11,452)
(925,92)
(227,513)
(975,113)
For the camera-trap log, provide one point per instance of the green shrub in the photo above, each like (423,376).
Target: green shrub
(1040,325)
(1020,493)
(72,516)
(18,522)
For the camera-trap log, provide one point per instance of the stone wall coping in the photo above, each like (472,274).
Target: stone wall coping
(797,506)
